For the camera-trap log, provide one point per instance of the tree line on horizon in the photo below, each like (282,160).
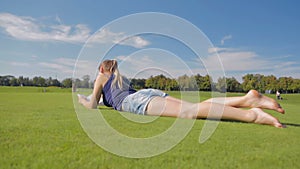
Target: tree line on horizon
(262,83)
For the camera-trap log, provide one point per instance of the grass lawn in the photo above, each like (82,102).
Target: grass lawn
(40,130)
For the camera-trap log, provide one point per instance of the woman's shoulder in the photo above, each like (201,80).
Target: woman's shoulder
(102,75)
(102,78)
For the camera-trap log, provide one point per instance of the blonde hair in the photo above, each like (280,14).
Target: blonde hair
(112,67)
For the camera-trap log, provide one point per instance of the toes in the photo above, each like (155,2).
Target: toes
(280,110)
(278,125)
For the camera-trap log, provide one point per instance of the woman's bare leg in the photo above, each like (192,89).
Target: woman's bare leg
(172,107)
(252,99)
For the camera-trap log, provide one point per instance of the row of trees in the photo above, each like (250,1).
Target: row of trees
(187,83)
(269,84)
(44,82)
(263,83)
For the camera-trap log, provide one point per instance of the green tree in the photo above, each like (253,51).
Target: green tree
(27,81)
(233,85)
(290,82)
(14,82)
(284,84)
(270,83)
(5,80)
(21,80)
(259,82)
(221,84)
(149,82)
(204,82)
(173,85)
(251,81)
(138,83)
(295,87)
(39,81)
(184,82)
(85,83)
(67,83)
(161,82)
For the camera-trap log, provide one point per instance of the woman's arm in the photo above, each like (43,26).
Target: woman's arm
(98,85)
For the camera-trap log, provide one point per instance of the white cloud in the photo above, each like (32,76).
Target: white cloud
(237,62)
(66,66)
(133,65)
(106,36)
(227,37)
(31,29)
(135,41)
(65,61)
(57,67)
(28,28)
(83,67)
(20,64)
(213,50)
(57,18)
(147,62)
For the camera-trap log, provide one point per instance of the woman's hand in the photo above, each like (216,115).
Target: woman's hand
(81,99)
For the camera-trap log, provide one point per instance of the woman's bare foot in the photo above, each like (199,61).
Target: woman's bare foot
(256,100)
(265,118)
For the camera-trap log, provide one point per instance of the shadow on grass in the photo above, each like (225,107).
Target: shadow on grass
(233,121)
(221,120)
(291,124)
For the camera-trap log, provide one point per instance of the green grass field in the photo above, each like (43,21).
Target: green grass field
(40,130)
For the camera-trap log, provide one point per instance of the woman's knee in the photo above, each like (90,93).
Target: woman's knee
(189,111)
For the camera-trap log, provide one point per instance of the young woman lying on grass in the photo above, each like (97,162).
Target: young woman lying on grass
(116,93)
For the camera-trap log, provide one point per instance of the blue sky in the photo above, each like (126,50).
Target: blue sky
(44,38)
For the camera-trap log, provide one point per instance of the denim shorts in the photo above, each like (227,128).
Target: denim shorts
(138,101)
